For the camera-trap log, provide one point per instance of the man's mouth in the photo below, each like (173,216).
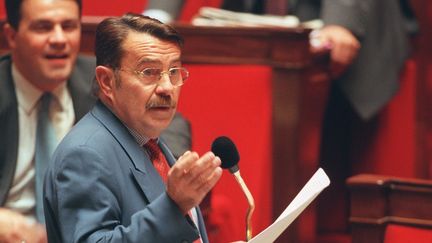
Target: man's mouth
(163,103)
(160,107)
(56,56)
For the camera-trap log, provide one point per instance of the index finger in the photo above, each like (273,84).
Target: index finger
(185,162)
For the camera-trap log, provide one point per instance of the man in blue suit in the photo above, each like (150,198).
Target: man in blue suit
(105,183)
(44,40)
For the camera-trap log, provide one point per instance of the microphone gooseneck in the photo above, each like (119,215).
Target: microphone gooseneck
(225,149)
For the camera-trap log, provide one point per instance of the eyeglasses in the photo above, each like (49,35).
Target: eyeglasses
(151,76)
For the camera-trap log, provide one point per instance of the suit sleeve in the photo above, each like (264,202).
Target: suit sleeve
(355,14)
(85,203)
(172,7)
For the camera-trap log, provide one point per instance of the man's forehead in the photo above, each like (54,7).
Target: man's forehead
(147,41)
(50,9)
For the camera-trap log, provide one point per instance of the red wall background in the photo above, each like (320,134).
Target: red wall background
(236,101)
(119,7)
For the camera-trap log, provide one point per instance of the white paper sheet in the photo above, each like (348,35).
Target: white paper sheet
(210,16)
(307,194)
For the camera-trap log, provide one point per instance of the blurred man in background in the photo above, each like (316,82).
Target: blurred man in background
(44,39)
(164,10)
(368,42)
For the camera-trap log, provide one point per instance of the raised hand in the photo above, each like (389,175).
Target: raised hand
(191,178)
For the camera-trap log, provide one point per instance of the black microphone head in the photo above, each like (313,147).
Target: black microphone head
(225,149)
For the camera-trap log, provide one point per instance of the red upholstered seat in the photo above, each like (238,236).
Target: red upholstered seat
(404,234)
(390,209)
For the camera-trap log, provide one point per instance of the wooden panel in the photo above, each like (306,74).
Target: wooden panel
(377,201)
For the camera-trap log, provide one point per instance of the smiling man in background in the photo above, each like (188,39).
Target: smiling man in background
(45,87)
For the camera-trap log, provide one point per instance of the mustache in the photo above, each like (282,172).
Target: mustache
(161,102)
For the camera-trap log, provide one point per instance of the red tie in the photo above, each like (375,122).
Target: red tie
(161,165)
(158,159)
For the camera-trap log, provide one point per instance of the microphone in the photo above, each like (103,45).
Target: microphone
(225,149)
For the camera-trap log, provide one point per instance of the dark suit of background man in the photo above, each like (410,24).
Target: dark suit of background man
(369,43)
(164,10)
(44,40)
(108,181)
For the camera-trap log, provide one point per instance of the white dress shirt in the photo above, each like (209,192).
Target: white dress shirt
(21,196)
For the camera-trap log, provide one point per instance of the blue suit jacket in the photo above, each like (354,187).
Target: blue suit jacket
(101,187)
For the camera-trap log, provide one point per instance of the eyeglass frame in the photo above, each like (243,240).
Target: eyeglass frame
(161,73)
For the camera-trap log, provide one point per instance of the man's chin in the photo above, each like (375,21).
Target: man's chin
(161,124)
(59,75)
(162,114)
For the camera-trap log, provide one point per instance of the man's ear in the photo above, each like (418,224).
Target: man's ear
(10,34)
(105,78)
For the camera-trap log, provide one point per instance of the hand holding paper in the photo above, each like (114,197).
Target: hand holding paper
(308,193)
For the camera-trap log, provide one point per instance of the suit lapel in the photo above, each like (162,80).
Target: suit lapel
(167,152)
(143,172)
(150,182)
(80,86)
(171,160)
(201,225)
(9,125)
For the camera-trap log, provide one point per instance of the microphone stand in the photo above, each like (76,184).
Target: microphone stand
(250,202)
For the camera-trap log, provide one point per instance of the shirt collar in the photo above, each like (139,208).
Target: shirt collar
(28,95)
(141,139)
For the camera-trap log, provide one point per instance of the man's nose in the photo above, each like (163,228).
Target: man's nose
(165,82)
(57,35)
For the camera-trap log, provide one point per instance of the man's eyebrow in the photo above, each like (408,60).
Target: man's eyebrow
(145,61)
(148,61)
(178,60)
(46,19)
